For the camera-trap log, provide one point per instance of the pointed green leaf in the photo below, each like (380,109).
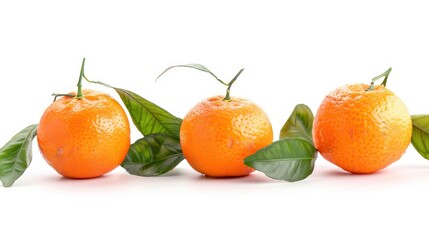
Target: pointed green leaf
(148,117)
(16,155)
(289,159)
(153,155)
(420,136)
(299,124)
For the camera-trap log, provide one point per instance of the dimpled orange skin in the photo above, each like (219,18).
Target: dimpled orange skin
(84,138)
(217,135)
(362,131)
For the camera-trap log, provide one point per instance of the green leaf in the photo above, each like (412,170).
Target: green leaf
(148,117)
(159,151)
(15,156)
(153,155)
(299,124)
(289,159)
(420,136)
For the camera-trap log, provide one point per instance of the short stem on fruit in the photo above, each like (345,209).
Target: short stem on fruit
(79,83)
(227,96)
(385,75)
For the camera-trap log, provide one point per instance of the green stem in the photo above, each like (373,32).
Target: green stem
(205,69)
(79,83)
(97,82)
(56,95)
(385,75)
(227,96)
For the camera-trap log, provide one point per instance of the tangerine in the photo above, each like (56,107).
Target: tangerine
(217,134)
(362,128)
(84,137)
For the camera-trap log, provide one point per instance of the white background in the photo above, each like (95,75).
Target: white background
(293,51)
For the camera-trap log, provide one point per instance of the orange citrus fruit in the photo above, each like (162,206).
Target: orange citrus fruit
(84,137)
(216,135)
(362,130)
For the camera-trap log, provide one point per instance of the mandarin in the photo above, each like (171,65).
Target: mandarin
(362,129)
(84,137)
(217,134)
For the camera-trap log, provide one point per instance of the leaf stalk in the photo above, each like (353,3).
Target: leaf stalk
(385,75)
(79,83)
